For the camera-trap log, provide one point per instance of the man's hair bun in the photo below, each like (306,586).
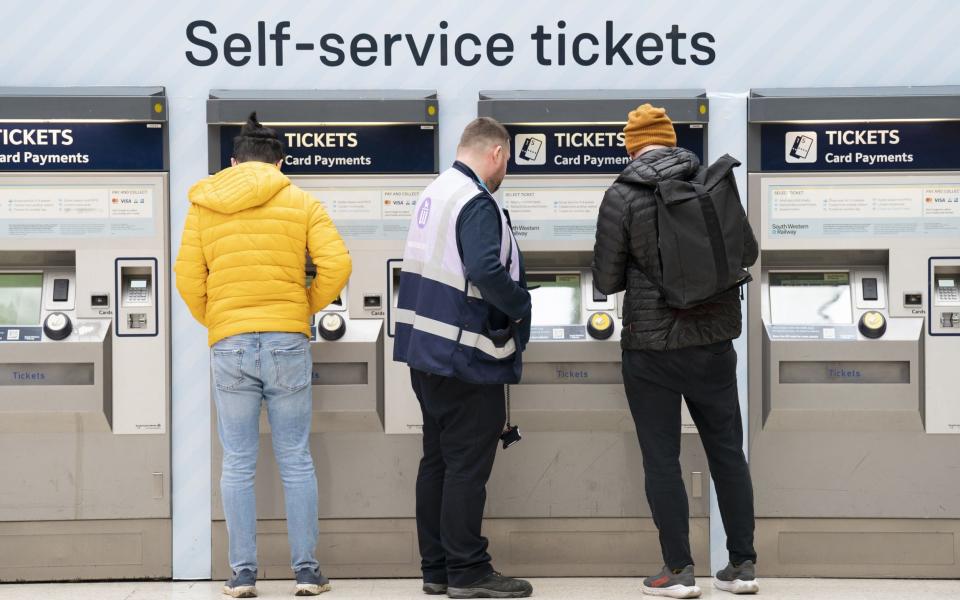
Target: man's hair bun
(253,128)
(257,142)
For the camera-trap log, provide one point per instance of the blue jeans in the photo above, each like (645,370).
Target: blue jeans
(272,368)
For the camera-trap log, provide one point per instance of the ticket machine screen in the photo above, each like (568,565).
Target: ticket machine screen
(810,298)
(556,300)
(20,298)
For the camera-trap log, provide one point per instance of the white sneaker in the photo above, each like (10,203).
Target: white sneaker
(740,579)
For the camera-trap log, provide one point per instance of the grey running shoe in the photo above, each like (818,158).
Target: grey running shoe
(670,584)
(493,585)
(739,579)
(242,584)
(434,589)
(310,582)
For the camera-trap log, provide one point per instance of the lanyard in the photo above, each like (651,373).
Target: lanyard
(484,186)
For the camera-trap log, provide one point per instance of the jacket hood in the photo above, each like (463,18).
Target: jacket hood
(238,188)
(657,165)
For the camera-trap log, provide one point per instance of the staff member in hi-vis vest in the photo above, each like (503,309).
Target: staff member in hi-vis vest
(463,319)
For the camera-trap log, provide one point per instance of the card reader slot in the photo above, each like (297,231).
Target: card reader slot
(869,288)
(61,290)
(598,296)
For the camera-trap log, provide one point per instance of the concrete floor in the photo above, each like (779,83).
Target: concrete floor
(568,589)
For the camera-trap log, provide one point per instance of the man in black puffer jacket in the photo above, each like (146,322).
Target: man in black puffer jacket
(669,353)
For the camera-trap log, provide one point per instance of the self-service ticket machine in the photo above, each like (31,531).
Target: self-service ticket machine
(84,334)
(854,343)
(569,498)
(366,155)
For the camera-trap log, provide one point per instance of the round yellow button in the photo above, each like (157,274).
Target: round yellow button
(600,321)
(331,321)
(873,320)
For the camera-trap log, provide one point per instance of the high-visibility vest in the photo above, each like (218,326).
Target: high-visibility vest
(441,319)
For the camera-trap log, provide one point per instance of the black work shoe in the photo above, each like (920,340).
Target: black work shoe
(672,584)
(739,579)
(242,584)
(310,582)
(493,585)
(434,589)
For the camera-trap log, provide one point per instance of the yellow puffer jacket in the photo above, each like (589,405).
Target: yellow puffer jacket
(241,266)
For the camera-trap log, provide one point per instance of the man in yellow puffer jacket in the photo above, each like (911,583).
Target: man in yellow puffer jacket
(242,271)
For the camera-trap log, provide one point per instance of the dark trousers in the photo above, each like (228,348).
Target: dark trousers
(462,423)
(706,376)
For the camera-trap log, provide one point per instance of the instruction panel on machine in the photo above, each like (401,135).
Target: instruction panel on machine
(553,214)
(43,212)
(842,209)
(370,213)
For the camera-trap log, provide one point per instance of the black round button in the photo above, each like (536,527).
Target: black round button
(57,326)
(872,324)
(600,326)
(332,327)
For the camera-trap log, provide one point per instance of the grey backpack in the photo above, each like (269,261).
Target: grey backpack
(703,235)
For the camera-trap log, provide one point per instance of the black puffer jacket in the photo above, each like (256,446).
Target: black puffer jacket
(626,257)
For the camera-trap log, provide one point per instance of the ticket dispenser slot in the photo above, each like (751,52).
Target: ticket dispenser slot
(346,355)
(827,328)
(574,349)
(51,360)
(137,291)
